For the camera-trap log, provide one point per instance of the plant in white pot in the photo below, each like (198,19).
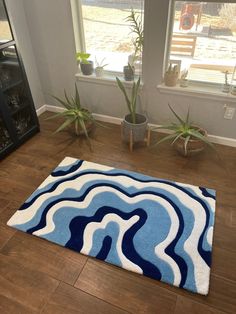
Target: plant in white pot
(187,138)
(86,65)
(134,125)
(99,69)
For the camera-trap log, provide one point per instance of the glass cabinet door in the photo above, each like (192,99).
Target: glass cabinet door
(14,90)
(5,139)
(5,30)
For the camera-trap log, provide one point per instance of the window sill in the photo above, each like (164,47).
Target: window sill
(204,91)
(107,79)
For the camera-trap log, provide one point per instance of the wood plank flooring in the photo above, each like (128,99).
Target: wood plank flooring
(37,276)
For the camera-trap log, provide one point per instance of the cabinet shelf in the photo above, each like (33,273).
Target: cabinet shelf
(12,85)
(10,62)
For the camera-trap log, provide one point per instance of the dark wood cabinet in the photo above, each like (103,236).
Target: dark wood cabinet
(18,119)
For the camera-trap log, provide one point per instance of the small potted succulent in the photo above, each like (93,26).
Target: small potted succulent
(187,138)
(183,79)
(134,125)
(74,114)
(171,75)
(226,85)
(99,70)
(85,64)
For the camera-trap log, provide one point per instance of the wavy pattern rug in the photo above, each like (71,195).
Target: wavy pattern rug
(154,227)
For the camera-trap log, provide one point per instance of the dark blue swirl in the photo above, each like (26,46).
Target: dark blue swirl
(206,255)
(105,249)
(76,176)
(78,225)
(170,249)
(206,193)
(72,169)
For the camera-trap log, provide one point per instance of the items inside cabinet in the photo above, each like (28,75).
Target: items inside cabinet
(10,71)
(23,121)
(5,139)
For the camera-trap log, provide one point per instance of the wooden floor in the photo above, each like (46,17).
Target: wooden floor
(37,276)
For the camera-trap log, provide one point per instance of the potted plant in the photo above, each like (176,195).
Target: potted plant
(187,138)
(99,70)
(134,125)
(183,79)
(74,114)
(136,27)
(171,75)
(226,85)
(85,64)
(128,71)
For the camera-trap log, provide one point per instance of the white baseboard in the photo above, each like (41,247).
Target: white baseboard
(103,118)
(41,110)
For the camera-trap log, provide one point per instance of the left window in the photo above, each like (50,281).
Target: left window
(111,31)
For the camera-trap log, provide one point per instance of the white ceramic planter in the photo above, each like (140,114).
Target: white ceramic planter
(99,71)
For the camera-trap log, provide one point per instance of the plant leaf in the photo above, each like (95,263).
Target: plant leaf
(64,125)
(201,137)
(77,98)
(64,104)
(166,138)
(178,117)
(122,88)
(187,118)
(167,127)
(186,144)
(177,137)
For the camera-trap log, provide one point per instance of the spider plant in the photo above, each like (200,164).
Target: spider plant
(130,101)
(185,130)
(74,113)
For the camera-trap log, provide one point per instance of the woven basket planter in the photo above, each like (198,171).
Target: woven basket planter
(194,145)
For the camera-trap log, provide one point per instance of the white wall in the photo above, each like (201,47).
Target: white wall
(51,33)
(22,36)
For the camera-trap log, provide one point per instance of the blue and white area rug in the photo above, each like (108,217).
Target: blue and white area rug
(150,226)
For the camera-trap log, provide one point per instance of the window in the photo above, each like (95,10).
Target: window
(203,40)
(107,31)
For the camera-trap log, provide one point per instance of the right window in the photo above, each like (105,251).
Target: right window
(203,40)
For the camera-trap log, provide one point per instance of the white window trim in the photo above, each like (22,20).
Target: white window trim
(79,35)
(78,26)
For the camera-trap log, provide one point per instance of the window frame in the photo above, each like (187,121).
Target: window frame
(79,35)
(169,35)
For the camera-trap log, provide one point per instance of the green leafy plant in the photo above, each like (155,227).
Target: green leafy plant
(184,129)
(136,27)
(132,100)
(74,114)
(82,57)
